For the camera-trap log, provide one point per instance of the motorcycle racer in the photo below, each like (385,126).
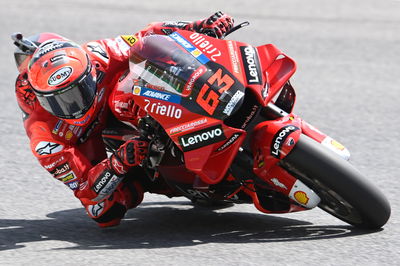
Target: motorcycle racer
(66,93)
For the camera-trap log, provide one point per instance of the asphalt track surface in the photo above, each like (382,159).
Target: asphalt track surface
(348,55)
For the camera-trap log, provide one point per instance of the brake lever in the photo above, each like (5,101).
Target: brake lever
(211,33)
(241,25)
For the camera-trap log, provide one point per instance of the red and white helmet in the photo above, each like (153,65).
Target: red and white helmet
(64,81)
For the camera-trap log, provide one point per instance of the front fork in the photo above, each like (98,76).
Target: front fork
(272,140)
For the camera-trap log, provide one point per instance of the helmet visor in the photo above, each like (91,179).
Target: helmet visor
(71,102)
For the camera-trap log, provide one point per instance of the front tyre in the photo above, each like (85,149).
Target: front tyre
(344,191)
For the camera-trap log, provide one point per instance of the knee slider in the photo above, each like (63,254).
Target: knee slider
(101,215)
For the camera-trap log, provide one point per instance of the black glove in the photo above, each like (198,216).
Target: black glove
(216,25)
(130,154)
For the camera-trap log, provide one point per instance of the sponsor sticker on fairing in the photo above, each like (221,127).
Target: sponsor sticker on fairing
(202,138)
(233,102)
(205,46)
(336,147)
(188,46)
(279,139)
(136,90)
(251,65)
(158,108)
(187,126)
(250,116)
(160,95)
(182,41)
(301,197)
(193,78)
(304,195)
(229,142)
(234,57)
(154,94)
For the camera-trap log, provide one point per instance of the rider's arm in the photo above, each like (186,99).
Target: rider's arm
(71,164)
(216,25)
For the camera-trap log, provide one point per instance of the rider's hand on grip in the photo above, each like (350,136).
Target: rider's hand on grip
(130,154)
(217,25)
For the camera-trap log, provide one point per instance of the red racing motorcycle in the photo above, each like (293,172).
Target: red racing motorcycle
(221,130)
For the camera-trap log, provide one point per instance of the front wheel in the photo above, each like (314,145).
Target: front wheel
(344,191)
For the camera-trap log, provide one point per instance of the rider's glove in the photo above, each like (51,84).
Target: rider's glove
(216,25)
(130,154)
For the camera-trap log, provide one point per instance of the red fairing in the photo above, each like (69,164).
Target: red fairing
(176,113)
(273,140)
(276,68)
(312,132)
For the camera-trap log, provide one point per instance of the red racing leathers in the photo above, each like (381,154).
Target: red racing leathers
(76,154)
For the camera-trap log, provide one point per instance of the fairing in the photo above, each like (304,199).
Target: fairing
(191,84)
(184,83)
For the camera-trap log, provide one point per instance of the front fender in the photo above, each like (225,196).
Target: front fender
(272,140)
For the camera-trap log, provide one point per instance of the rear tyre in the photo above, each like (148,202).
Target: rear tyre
(344,191)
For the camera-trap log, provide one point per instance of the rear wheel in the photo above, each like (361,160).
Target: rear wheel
(344,191)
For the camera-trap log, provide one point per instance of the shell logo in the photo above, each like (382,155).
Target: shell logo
(196,53)
(301,197)
(69,135)
(136,90)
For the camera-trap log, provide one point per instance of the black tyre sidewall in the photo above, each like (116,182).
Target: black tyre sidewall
(316,161)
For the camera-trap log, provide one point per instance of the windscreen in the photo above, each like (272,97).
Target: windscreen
(174,64)
(159,63)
